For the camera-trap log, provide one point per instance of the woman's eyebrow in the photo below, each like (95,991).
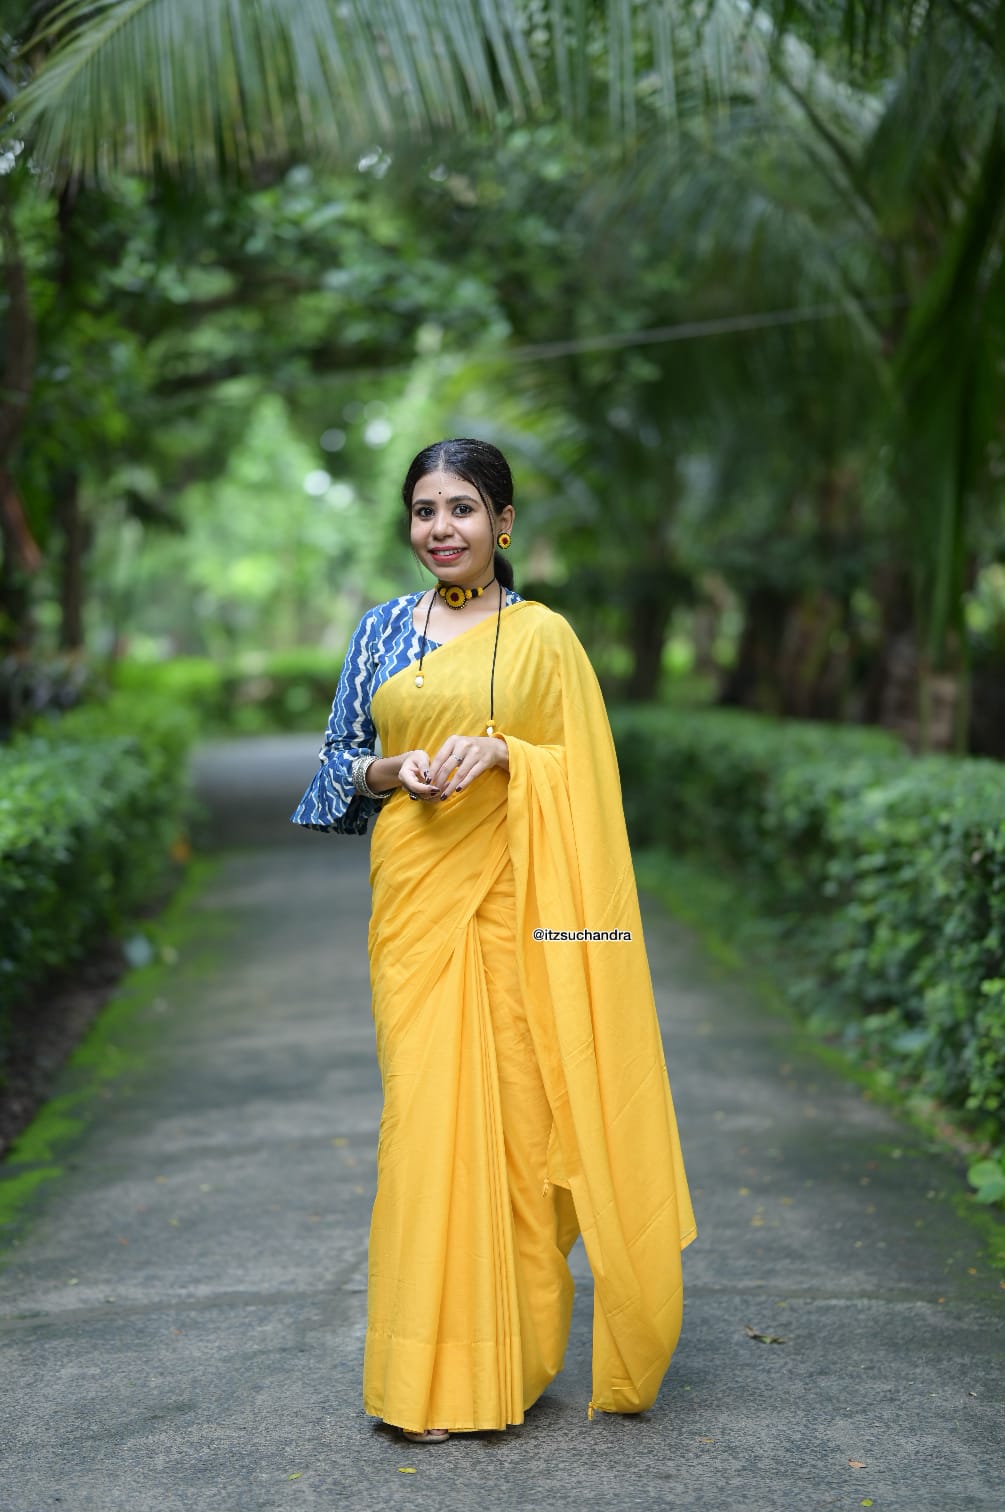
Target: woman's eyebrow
(454,499)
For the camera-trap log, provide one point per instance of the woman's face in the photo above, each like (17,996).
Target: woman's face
(451,530)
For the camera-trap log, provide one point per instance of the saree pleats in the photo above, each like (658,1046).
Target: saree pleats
(525,1091)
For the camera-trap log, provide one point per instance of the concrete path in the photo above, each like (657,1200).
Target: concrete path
(183,1308)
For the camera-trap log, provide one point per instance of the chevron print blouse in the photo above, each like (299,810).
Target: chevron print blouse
(384,642)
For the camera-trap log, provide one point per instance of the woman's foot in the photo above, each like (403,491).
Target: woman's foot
(427,1436)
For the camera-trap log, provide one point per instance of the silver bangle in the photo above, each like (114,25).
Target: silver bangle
(360,767)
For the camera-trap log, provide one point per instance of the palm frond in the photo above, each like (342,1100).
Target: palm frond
(227,83)
(140,83)
(950,376)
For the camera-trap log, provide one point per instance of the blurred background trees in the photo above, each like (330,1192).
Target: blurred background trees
(726,283)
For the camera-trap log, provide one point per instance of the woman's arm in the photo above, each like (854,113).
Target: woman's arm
(331,802)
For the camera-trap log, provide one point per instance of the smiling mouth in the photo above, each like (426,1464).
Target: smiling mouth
(445,553)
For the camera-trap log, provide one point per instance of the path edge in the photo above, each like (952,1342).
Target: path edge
(112,1046)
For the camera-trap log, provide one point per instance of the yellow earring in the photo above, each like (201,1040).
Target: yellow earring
(503,539)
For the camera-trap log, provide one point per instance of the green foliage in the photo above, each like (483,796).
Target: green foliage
(988,1176)
(90,806)
(254,693)
(890,870)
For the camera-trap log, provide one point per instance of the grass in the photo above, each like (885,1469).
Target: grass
(118,1042)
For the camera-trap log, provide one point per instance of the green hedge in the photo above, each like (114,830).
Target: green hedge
(256,693)
(90,805)
(889,869)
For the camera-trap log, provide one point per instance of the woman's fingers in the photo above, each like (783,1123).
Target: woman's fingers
(459,759)
(454,750)
(471,765)
(413,774)
(461,777)
(443,762)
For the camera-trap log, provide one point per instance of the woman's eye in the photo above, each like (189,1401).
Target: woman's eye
(462,509)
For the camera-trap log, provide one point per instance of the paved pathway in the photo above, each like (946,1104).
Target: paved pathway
(182,1311)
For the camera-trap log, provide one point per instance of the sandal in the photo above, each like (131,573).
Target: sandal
(427,1436)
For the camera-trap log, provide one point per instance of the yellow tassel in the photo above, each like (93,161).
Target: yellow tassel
(589,1412)
(546,1188)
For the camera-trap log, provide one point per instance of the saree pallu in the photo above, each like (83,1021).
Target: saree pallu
(525,1090)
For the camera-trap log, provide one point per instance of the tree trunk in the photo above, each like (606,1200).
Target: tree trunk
(648,617)
(20,553)
(75,541)
(891,587)
(752,683)
(812,659)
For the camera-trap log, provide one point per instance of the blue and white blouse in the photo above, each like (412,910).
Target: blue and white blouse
(384,642)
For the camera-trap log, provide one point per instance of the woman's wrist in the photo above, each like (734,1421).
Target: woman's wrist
(382,774)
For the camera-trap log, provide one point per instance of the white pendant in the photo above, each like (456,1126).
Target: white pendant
(419,680)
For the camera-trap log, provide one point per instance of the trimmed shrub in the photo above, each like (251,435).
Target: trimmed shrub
(90,805)
(891,866)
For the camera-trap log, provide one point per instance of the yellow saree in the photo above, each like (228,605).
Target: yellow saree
(525,1090)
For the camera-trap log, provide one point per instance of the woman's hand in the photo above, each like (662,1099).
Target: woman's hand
(463,757)
(410,771)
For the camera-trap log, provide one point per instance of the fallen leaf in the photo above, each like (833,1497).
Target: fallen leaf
(341,1140)
(744,1191)
(857,1464)
(706,1441)
(296,1475)
(762,1338)
(406,1469)
(867,1502)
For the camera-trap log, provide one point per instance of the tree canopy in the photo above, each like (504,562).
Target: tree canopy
(723,281)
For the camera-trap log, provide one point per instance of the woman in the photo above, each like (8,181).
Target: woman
(525,1091)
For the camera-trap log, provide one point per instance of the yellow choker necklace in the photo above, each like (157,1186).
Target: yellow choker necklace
(455,596)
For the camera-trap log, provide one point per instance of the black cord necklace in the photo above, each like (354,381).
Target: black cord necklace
(419,679)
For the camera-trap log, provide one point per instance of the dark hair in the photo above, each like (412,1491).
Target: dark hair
(478,463)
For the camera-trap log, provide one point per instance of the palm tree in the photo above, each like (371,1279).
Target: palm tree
(933,181)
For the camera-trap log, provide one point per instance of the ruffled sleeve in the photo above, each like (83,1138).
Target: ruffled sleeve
(331,803)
